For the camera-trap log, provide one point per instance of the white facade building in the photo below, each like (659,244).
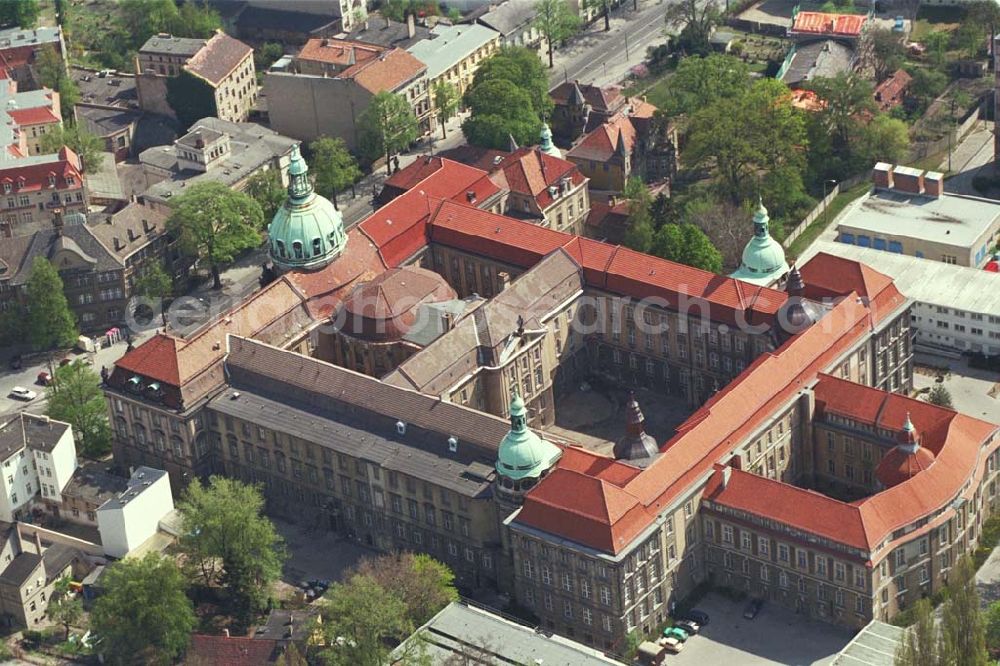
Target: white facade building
(37,457)
(127,521)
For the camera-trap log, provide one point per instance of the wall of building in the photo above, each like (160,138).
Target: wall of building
(237,92)
(940,326)
(306,107)
(124,528)
(152,92)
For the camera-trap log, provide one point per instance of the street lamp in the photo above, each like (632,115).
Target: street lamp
(825,202)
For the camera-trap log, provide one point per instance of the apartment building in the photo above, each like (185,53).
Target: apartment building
(37,459)
(20,49)
(453,52)
(37,188)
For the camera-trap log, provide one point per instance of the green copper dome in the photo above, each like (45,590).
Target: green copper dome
(523,453)
(307,232)
(546,145)
(763,257)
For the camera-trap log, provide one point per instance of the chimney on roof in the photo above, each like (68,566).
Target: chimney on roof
(57,221)
(882,176)
(727,471)
(411,28)
(470,196)
(933,184)
(908,180)
(504,278)
(325,42)
(447,321)
(38,543)
(118,244)
(225,632)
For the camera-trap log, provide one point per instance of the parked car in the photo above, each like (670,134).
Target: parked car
(753,608)
(21,393)
(44,378)
(699,616)
(651,654)
(671,644)
(690,626)
(675,632)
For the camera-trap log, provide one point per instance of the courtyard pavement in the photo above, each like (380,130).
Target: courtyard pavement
(988,579)
(776,636)
(316,553)
(970,388)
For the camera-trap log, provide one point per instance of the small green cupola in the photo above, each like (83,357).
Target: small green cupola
(763,260)
(545,143)
(307,232)
(523,457)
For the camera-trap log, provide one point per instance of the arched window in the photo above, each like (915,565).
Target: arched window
(281,248)
(122,426)
(297,249)
(140,434)
(317,247)
(177,444)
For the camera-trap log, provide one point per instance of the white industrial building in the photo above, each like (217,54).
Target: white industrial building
(956,308)
(38,457)
(130,519)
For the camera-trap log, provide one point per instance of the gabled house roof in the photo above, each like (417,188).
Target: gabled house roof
(602,143)
(217,58)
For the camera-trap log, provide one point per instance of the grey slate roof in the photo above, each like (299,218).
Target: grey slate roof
(116,89)
(140,480)
(19,571)
(180,46)
(103,121)
(57,557)
(280,622)
(823,58)
(77,237)
(386,32)
(509,16)
(875,645)
(92,484)
(145,222)
(36,432)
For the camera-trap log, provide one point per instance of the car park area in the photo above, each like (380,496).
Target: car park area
(775,636)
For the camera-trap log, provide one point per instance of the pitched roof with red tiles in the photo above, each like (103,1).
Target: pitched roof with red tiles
(231,650)
(31,174)
(827,277)
(899,465)
(603,100)
(218,58)
(531,172)
(36,116)
(343,52)
(601,144)
(890,92)
(389,72)
(822,23)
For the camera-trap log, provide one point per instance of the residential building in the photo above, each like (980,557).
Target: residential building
(383,31)
(30,573)
(129,519)
(892,92)
(808,60)
(514,21)
(214,150)
(809,26)
(581,108)
(462,624)
(223,63)
(454,52)
(137,236)
(908,212)
(955,308)
(545,190)
(305,106)
(25,117)
(38,188)
(20,48)
(90,486)
(38,459)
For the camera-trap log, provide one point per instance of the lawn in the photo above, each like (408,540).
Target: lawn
(655,88)
(813,231)
(930,19)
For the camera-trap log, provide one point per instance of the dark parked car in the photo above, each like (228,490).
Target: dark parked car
(753,608)
(698,616)
(689,626)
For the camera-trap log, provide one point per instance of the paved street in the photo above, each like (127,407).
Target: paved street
(971,155)
(602,58)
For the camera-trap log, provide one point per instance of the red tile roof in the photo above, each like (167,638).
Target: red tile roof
(898,465)
(387,73)
(890,92)
(821,23)
(218,58)
(530,172)
(342,52)
(35,176)
(156,358)
(35,116)
(828,276)
(602,143)
(231,651)
(326,288)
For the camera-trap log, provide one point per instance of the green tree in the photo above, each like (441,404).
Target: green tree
(686,244)
(939,396)
(49,323)
(266,188)
(920,644)
(639,235)
(847,98)
(214,223)
(927,83)
(556,21)
(520,66)
(144,615)
(884,139)
(446,100)
(229,540)
(388,126)
(19,14)
(747,135)
(196,20)
(937,42)
(267,55)
(191,98)
(696,20)
(701,82)
(144,18)
(333,167)
(992,621)
(963,633)
(154,283)
(52,74)
(75,397)
(888,51)
(364,618)
(87,146)
(424,584)
(500,110)
(65,608)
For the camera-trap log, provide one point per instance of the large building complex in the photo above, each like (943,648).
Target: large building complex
(802,474)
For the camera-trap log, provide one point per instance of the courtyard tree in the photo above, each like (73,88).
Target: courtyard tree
(848,99)
(937,42)
(87,146)
(52,74)
(49,323)
(75,397)
(887,51)
(500,110)
(388,126)
(726,225)
(522,67)
(266,188)
(333,167)
(640,232)
(884,139)
(556,21)
(365,618)
(65,607)
(446,99)
(19,14)
(214,224)
(696,20)
(920,645)
(963,631)
(228,540)
(992,621)
(155,284)
(143,614)
(424,584)
(699,82)
(939,396)
(686,244)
